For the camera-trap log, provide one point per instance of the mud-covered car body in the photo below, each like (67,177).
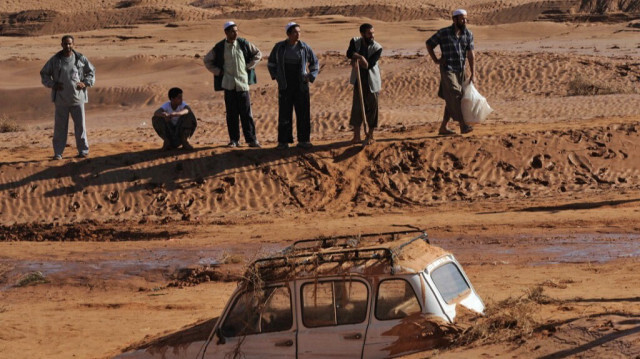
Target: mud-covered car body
(344,297)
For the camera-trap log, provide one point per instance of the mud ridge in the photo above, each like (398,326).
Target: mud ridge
(87,231)
(192,276)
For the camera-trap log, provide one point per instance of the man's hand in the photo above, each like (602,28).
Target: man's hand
(57,86)
(362,62)
(80,85)
(433,56)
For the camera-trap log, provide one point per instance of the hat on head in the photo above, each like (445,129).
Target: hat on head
(290,25)
(228,24)
(460,12)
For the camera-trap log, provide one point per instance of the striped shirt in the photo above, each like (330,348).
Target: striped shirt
(454,49)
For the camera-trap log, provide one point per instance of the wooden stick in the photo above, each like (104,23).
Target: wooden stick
(364,115)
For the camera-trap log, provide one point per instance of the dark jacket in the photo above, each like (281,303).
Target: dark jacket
(276,64)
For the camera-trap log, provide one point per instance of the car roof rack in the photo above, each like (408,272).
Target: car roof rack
(297,255)
(344,241)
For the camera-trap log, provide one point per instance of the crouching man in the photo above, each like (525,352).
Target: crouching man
(175,122)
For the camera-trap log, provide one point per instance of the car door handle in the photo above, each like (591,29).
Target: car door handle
(286,343)
(353,336)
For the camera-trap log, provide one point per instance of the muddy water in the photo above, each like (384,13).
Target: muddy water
(158,265)
(542,250)
(154,265)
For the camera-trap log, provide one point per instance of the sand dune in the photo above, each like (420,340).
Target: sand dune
(544,194)
(42,18)
(511,80)
(333,177)
(605,6)
(523,87)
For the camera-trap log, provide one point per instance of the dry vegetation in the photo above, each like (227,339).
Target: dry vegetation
(8,125)
(584,86)
(507,320)
(208,4)
(32,279)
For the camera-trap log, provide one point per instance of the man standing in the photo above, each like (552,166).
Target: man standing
(232,62)
(366,52)
(68,74)
(456,45)
(288,65)
(175,122)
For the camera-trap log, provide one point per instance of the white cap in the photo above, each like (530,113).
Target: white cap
(227,24)
(289,25)
(460,12)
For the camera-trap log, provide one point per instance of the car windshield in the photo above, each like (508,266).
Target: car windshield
(449,281)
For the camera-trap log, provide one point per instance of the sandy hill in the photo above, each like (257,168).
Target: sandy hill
(45,17)
(133,243)
(606,6)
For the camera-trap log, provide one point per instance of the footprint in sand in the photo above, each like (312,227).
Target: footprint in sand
(536,162)
(505,166)
(73,207)
(113,196)
(230,180)
(579,161)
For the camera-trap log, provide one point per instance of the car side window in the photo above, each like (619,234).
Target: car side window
(277,315)
(396,300)
(264,311)
(334,303)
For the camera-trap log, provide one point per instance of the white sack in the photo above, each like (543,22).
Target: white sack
(475,108)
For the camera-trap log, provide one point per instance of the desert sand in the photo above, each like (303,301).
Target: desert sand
(541,203)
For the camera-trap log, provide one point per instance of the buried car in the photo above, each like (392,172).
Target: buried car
(368,296)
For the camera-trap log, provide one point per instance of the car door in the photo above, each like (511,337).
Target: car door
(397,322)
(258,324)
(333,317)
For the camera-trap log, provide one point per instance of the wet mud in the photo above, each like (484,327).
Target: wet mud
(85,231)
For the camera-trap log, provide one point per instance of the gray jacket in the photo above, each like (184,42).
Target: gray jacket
(374,51)
(50,73)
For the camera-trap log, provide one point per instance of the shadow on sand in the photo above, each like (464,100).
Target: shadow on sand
(151,168)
